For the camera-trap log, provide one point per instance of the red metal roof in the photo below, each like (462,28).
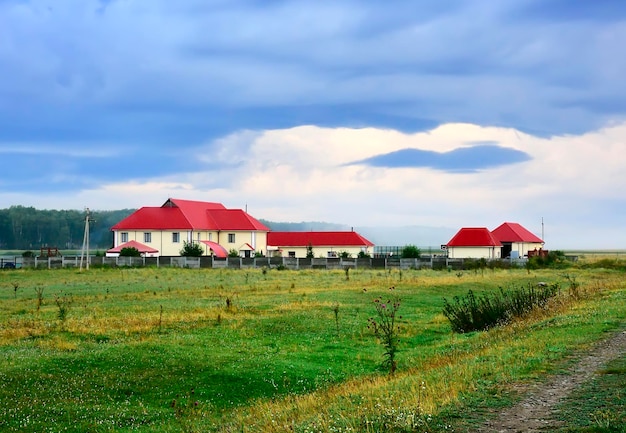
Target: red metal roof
(233,219)
(190,215)
(317,239)
(154,218)
(217,249)
(514,232)
(133,244)
(474,237)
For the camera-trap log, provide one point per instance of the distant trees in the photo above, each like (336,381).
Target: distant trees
(27,228)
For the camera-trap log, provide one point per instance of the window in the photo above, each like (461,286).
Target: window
(124,237)
(332,254)
(176,237)
(231,238)
(292,253)
(147,237)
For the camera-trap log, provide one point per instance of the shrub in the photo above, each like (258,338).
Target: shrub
(411,252)
(309,251)
(130,252)
(233,253)
(191,249)
(472,313)
(28,254)
(344,254)
(363,255)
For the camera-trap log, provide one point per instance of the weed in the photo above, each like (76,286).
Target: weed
(336,311)
(64,304)
(16,287)
(385,328)
(39,292)
(188,412)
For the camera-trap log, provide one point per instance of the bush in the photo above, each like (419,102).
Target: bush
(472,313)
(28,254)
(233,253)
(191,249)
(130,252)
(411,252)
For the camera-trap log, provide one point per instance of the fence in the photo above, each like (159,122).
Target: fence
(292,263)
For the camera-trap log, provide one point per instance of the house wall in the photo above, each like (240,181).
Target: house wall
(163,240)
(474,252)
(524,247)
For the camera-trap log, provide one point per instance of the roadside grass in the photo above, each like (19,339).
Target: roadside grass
(230,350)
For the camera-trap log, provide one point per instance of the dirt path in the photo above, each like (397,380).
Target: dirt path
(535,412)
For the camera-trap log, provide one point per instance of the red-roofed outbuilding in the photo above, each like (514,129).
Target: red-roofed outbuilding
(474,242)
(516,240)
(321,244)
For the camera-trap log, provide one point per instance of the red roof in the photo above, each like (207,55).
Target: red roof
(133,244)
(178,214)
(514,232)
(474,237)
(317,239)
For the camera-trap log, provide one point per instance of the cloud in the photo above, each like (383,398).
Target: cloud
(573,182)
(458,160)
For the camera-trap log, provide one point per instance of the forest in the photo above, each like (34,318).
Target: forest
(27,228)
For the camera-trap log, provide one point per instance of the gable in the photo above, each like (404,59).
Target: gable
(514,232)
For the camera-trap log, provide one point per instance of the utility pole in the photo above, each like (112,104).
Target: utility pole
(84,253)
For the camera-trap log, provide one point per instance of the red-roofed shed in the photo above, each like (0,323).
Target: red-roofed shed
(474,242)
(516,240)
(322,244)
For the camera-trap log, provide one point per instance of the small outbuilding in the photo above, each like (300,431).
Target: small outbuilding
(320,244)
(474,242)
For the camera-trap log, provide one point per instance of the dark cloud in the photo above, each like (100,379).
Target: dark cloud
(465,159)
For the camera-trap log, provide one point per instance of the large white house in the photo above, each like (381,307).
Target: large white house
(166,228)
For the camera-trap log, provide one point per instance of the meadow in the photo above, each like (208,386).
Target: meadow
(259,350)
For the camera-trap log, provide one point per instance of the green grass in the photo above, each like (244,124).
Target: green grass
(135,340)
(599,406)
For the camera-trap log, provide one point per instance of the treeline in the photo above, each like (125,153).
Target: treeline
(27,228)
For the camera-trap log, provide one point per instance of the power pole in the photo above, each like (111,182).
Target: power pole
(84,253)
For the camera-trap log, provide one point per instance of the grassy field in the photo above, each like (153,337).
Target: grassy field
(181,350)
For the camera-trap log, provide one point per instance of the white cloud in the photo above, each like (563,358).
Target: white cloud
(298,174)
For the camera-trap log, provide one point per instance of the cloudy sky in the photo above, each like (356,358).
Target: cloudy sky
(435,113)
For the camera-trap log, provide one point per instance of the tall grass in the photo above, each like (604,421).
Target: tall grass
(477,313)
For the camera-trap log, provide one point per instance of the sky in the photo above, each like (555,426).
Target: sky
(431,113)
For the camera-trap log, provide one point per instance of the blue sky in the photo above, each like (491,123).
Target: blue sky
(442,113)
